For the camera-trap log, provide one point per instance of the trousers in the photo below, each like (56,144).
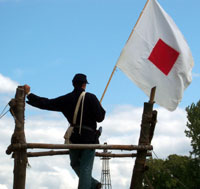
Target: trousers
(82,163)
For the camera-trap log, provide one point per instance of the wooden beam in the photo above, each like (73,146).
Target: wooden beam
(81,146)
(66,152)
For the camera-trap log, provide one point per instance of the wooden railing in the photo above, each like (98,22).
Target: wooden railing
(18,146)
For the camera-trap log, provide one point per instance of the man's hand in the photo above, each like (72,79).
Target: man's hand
(27,89)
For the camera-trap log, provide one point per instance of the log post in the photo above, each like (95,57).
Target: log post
(146,134)
(17,107)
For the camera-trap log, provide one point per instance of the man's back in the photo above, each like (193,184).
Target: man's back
(92,111)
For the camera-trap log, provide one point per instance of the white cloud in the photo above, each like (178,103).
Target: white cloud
(3,186)
(7,85)
(122,126)
(53,172)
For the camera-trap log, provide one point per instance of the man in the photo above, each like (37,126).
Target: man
(92,112)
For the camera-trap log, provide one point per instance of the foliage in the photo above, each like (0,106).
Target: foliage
(178,172)
(193,124)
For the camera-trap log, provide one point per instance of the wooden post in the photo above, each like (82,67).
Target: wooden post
(145,137)
(17,107)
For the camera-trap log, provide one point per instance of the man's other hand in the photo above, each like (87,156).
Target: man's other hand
(27,89)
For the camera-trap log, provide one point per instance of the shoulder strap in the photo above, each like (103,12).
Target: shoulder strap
(82,96)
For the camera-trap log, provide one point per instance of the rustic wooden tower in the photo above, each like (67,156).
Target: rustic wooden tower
(18,147)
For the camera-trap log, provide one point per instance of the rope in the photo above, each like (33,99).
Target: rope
(169,172)
(3,113)
(4,109)
(155,154)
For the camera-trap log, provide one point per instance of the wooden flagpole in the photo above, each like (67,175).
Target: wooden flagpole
(115,67)
(138,19)
(108,82)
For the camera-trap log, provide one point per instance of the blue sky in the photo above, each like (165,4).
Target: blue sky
(45,42)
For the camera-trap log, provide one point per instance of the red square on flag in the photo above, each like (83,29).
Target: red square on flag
(163,56)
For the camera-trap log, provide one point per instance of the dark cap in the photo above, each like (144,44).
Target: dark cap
(80,78)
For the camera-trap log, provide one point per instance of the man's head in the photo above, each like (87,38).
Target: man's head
(79,79)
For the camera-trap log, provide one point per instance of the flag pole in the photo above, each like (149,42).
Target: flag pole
(108,82)
(115,67)
(138,19)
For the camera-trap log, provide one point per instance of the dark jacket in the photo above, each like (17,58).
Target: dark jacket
(93,112)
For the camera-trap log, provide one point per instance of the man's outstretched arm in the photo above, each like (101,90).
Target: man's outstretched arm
(42,102)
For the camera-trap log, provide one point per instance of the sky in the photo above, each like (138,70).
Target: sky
(44,43)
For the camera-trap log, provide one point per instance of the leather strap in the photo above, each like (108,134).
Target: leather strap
(81,97)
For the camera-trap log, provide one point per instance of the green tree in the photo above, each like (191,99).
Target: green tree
(158,176)
(193,124)
(178,172)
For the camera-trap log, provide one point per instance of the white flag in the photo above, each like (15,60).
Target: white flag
(157,54)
